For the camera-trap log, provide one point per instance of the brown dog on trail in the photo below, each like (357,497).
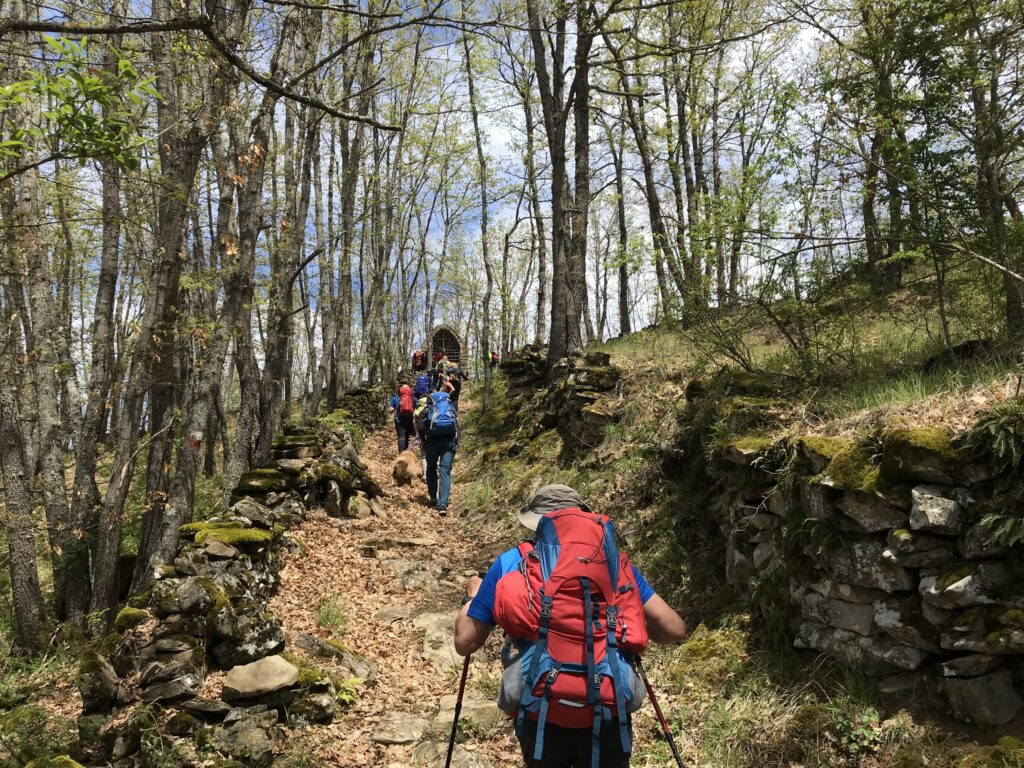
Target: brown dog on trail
(404,469)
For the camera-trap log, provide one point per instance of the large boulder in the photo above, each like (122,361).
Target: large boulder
(99,684)
(871,512)
(871,655)
(250,681)
(987,700)
(862,563)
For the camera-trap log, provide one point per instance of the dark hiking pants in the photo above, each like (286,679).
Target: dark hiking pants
(572,747)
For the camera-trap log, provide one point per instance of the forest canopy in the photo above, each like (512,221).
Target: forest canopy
(217,217)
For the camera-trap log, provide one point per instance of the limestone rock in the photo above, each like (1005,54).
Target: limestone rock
(194,599)
(357,665)
(358,506)
(250,681)
(856,617)
(433,753)
(254,637)
(986,700)
(818,500)
(932,510)
(250,739)
(438,640)
(312,708)
(99,684)
(415,574)
(210,710)
(483,713)
(870,655)
(914,549)
(969,584)
(184,687)
(825,585)
(862,564)
(334,499)
(971,665)
(763,521)
(219,549)
(259,515)
(399,728)
(901,620)
(871,512)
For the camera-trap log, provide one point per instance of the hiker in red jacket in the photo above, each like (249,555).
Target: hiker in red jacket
(567,679)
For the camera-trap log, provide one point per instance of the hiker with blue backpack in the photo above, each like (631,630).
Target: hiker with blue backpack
(441,438)
(576,612)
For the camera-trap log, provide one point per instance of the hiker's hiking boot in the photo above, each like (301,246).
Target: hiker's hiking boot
(432,504)
(442,511)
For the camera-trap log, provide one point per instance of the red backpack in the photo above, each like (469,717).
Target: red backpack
(406,404)
(574,607)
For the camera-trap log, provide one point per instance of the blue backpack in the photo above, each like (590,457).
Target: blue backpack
(422,387)
(441,416)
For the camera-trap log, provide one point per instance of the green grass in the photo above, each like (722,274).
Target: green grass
(330,614)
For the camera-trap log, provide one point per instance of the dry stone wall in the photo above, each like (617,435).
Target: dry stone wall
(877,545)
(208,611)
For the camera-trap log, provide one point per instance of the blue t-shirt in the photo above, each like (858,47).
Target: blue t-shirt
(482,607)
(395,400)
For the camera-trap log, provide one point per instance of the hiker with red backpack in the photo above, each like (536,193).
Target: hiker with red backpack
(576,612)
(403,405)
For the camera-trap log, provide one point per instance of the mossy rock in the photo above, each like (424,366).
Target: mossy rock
(949,578)
(61,761)
(235,536)
(750,384)
(851,469)
(191,529)
(129,618)
(921,454)
(263,481)
(819,451)
(1007,753)
(327,471)
(309,674)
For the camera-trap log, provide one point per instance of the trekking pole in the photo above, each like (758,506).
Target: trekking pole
(657,710)
(458,711)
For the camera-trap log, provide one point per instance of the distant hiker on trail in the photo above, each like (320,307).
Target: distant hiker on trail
(567,679)
(442,438)
(455,380)
(443,363)
(420,420)
(423,387)
(444,384)
(403,406)
(419,361)
(494,359)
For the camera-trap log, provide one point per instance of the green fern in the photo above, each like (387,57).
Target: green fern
(1003,528)
(998,437)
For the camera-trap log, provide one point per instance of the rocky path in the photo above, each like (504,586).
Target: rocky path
(388,588)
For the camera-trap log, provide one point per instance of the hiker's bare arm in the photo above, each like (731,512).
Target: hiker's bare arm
(470,634)
(664,625)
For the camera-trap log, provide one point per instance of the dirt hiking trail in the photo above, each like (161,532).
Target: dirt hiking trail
(388,588)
